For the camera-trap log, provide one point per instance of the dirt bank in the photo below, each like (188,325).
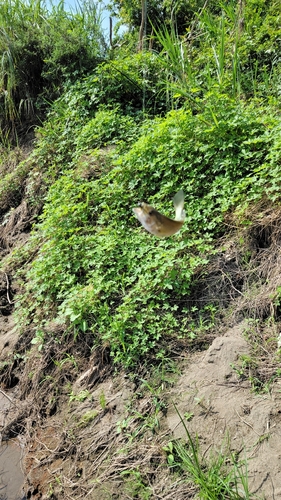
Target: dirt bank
(105,432)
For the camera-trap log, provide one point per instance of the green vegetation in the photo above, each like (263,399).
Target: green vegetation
(218,477)
(190,102)
(259,370)
(95,269)
(40,51)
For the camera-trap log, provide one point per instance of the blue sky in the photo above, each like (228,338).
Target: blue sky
(71,5)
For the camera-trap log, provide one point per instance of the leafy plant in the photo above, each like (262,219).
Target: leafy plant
(107,127)
(69,359)
(79,397)
(87,418)
(102,400)
(38,339)
(99,271)
(135,485)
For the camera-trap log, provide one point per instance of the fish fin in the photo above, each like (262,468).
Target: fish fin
(178,204)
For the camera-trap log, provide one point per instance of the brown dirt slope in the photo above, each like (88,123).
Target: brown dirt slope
(222,405)
(79,452)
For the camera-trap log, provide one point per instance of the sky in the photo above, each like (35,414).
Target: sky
(71,4)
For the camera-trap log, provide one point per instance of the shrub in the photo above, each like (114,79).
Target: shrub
(107,127)
(40,50)
(101,272)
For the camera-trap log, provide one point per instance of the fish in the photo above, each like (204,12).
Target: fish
(158,224)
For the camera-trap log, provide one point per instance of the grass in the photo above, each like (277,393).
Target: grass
(219,477)
(41,48)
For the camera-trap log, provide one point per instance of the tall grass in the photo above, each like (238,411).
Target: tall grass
(16,16)
(7,76)
(218,478)
(216,54)
(40,50)
(186,76)
(179,77)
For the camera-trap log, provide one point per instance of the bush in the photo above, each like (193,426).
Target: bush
(133,83)
(107,127)
(40,50)
(100,271)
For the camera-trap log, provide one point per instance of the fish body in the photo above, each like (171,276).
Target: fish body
(159,224)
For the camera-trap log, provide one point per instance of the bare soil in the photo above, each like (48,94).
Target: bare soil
(78,452)
(224,406)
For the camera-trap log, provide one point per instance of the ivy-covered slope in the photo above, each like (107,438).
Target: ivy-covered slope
(97,270)
(93,293)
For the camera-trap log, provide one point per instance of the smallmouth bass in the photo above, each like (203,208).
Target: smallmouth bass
(159,224)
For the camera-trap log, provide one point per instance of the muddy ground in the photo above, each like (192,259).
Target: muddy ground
(78,452)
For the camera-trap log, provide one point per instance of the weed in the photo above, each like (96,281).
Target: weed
(138,423)
(146,417)
(69,358)
(80,397)
(188,416)
(39,339)
(87,418)
(261,366)
(135,485)
(102,400)
(214,477)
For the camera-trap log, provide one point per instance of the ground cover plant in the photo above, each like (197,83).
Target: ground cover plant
(133,289)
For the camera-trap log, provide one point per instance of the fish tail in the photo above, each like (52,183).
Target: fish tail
(178,204)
